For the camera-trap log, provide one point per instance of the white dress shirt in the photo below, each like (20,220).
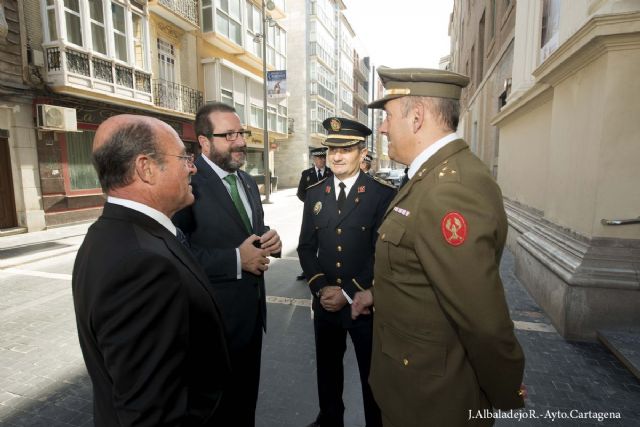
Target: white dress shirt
(144,209)
(243,196)
(348,184)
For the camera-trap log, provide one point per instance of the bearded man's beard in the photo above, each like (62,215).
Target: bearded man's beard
(226,162)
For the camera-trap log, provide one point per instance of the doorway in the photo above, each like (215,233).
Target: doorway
(7,201)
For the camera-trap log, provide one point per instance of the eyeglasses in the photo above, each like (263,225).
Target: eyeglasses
(233,135)
(189,158)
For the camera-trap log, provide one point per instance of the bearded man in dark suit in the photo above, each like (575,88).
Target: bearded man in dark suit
(150,330)
(226,230)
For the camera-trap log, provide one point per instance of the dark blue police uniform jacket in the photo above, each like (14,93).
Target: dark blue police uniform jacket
(338,249)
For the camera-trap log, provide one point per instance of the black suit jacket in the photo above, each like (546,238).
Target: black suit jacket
(308,178)
(150,331)
(215,230)
(339,249)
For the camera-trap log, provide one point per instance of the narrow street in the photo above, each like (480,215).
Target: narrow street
(43,381)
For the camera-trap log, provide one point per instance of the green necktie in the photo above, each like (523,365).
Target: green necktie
(232,180)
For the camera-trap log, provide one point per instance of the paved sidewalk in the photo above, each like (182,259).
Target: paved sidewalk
(43,381)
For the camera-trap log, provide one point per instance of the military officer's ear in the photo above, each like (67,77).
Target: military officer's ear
(418,112)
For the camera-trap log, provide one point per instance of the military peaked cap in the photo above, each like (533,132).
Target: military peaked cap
(344,132)
(399,82)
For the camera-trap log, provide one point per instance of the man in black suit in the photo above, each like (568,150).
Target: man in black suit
(150,331)
(310,176)
(316,173)
(336,249)
(225,227)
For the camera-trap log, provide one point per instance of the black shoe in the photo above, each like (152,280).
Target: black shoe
(300,277)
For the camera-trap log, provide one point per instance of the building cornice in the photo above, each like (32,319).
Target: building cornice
(598,36)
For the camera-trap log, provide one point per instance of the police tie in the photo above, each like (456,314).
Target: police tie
(235,196)
(341,197)
(319,174)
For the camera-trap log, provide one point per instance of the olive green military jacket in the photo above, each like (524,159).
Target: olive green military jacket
(443,346)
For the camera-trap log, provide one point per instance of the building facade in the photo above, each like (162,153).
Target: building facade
(327,77)
(83,61)
(568,154)
(20,192)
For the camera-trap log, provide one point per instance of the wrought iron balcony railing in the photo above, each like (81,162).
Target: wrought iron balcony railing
(175,96)
(62,60)
(188,9)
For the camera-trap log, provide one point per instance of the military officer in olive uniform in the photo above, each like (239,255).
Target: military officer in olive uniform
(444,348)
(341,217)
(317,172)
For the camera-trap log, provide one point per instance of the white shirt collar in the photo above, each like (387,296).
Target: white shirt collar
(430,151)
(144,209)
(347,182)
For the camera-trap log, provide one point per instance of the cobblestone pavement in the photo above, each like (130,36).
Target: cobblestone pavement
(43,380)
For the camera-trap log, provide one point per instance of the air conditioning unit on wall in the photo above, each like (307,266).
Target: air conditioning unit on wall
(52,117)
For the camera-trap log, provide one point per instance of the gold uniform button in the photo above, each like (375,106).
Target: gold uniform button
(405,362)
(339,248)
(338,265)
(339,281)
(339,230)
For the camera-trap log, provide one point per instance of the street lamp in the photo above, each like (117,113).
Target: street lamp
(266,20)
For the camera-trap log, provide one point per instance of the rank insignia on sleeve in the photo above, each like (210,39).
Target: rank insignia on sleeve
(454,228)
(361,189)
(327,189)
(317,208)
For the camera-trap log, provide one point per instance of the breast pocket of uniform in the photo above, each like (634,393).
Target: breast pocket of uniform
(388,248)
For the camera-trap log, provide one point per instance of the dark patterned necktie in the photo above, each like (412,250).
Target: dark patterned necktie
(319,175)
(342,196)
(182,238)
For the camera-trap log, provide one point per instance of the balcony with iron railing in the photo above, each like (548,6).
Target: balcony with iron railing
(323,55)
(176,97)
(363,118)
(361,93)
(347,108)
(71,67)
(183,13)
(361,69)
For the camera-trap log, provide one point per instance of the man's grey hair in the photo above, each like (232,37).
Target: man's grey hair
(445,110)
(115,159)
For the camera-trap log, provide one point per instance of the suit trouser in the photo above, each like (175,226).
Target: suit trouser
(331,344)
(238,405)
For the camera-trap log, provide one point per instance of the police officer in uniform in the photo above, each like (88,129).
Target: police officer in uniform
(365,165)
(340,223)
(317,172)
(444,350)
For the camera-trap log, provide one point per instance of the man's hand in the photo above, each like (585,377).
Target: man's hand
(361,302)
(332,298)
(254,260)
(270,242)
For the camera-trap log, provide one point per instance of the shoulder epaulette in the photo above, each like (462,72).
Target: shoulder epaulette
(383,182)
(319,182)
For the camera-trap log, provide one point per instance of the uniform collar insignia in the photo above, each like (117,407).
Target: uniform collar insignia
(361,189)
